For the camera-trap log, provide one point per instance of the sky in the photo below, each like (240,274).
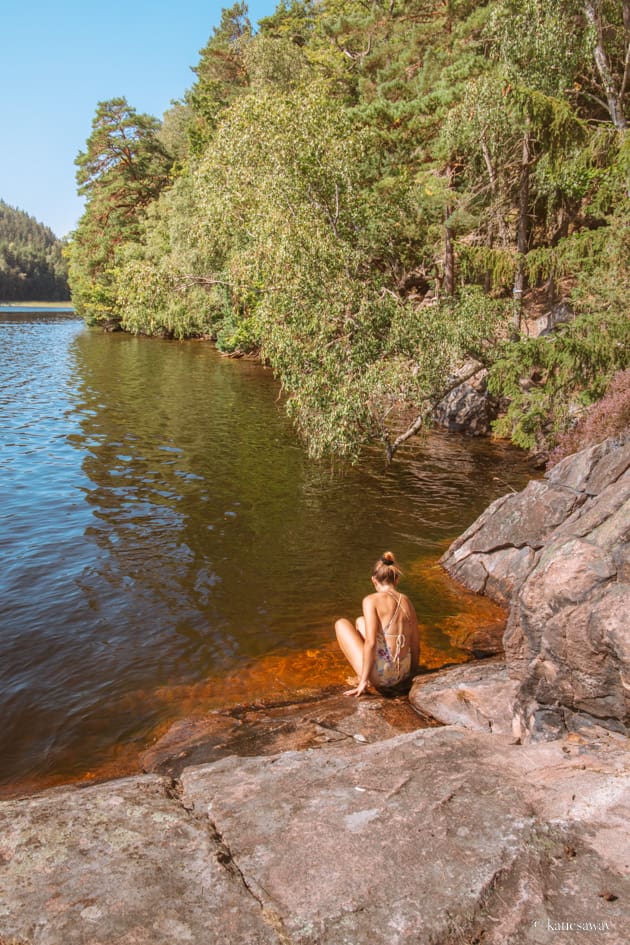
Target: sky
(60,58)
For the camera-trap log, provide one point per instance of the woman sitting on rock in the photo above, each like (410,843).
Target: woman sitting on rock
(382,647)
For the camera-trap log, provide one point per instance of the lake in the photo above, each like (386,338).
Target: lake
(167,546)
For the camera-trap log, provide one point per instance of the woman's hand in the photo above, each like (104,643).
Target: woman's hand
(359,690)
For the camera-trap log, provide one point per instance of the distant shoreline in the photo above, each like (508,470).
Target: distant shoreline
(31,308)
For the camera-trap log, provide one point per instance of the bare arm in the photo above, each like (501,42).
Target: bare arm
(369,646)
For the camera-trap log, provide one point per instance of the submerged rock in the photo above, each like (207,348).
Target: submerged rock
(269,729)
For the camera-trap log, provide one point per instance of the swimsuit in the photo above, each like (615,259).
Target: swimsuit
(389,667)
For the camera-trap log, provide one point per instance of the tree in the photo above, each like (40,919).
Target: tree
(364,186)
(221,74)
(123,169)
(32,266)
(608,29)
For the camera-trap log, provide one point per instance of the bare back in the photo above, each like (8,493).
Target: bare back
(396,620)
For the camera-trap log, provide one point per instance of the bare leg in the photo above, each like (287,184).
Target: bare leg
(351,643)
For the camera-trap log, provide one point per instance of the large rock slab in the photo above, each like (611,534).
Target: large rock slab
(498,551)
(567,639)
(119,864)
(426,838)
(594,468)
(429,838)
(477,695)
(567,643)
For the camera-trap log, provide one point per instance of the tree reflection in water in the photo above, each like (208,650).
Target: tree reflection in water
(201,557)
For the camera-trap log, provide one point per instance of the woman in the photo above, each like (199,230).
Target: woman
(382,647)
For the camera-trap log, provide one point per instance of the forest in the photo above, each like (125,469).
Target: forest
(32,266)
(380,199)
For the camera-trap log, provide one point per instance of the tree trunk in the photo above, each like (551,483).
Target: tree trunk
(614,96)
(449,258)
(522,236)
(449,252)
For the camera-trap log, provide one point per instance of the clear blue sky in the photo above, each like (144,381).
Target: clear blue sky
(59,59)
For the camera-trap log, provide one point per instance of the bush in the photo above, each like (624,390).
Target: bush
(550,380)
(610,416)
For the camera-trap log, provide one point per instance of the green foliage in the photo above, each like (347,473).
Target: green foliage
(610,416)
(122,171)
(32,266)
(354,190)
(549,380)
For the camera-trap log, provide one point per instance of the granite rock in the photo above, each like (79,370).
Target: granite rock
(428,838)
(268,729)
(477,695)
(558,553)
(118,863)
(467,410)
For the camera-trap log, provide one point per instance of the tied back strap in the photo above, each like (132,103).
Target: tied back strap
(400,637)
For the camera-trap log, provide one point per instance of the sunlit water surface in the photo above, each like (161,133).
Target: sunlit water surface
(167,547)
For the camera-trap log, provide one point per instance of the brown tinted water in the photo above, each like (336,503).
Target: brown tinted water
(167,546)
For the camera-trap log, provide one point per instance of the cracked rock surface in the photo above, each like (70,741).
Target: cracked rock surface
(498,551)
(433,837)
(121,862)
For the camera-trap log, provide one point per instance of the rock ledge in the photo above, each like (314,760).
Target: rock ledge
(559,554)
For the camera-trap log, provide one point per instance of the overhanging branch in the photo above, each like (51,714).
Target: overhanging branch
(418,423)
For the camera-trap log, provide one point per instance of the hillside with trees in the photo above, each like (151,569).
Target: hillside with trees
(32,267)
(373,196)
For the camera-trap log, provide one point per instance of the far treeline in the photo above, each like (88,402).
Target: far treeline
(372,196)
(32,267)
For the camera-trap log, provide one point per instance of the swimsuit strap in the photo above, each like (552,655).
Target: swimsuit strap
(391,619)
(400,637)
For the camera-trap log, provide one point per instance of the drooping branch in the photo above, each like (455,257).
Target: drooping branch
(419,422)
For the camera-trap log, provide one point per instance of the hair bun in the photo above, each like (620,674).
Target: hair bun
(386,570)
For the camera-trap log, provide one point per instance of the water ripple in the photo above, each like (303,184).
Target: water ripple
(160,527)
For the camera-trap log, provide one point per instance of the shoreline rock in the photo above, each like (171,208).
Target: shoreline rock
(559,554)
(255,731)
(477,695)
(433,836)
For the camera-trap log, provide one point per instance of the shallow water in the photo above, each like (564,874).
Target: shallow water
(168,547)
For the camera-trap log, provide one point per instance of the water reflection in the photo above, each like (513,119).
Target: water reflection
(169,545)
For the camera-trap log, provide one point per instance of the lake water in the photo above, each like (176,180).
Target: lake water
(167,547)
